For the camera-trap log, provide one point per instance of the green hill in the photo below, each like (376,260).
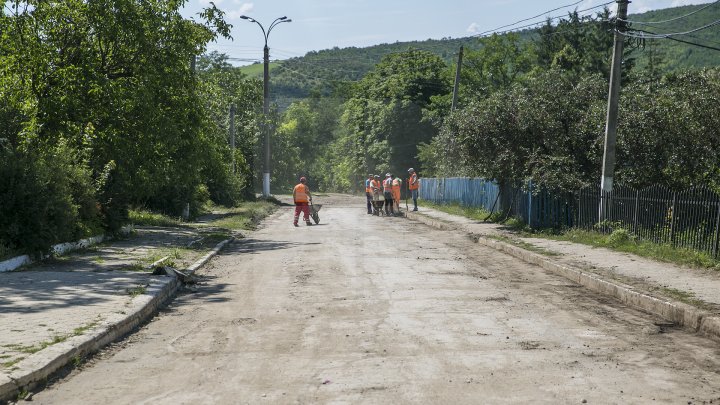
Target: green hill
(294,78)
(256,69)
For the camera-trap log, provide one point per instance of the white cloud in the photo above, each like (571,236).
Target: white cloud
(473,28)
(242,10)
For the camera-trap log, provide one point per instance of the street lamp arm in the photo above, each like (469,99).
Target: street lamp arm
(275,23)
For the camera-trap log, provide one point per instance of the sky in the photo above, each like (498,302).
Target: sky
(324,24)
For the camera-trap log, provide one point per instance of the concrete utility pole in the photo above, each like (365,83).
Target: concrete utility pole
(266,96)
(232,135)
(266,125)
(608,169)
(457,80)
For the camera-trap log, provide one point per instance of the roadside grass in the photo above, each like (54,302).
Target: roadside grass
(244,217)
(137,290)
(685,297)
(524,245)
(623,241)
(148,218)
(620,240)
(475,213)
(36,348)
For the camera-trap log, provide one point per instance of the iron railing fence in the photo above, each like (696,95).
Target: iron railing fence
(688,219)
(471,192)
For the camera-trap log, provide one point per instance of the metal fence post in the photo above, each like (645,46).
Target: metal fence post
(672,218)
(635,215)
(717,231)
(529,218)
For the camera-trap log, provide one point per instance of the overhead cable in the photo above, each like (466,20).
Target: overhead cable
(484,33)
(633,35)
(655,35)
(672,19)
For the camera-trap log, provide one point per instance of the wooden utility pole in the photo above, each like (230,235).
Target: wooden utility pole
(608,169)
(457,80)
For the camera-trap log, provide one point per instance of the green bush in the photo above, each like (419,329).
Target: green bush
(45,199)
(619,237)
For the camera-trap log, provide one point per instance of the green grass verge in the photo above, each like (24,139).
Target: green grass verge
(524,245)
(245,217)
(628,244)
(475,213)
(620,240)
(144,217)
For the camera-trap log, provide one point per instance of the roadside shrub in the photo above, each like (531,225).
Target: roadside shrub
(619,237)
(45,199)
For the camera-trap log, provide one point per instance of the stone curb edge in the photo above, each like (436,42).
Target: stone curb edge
(685,315)
(44,363)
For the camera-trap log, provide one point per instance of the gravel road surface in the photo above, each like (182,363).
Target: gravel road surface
(363,309)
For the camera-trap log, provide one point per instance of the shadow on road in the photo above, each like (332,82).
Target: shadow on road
(251,245)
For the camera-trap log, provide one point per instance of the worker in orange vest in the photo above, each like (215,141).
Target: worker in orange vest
(413,186)
(396,187)
(376,186)
(369,193)
(301,197)
(387,191)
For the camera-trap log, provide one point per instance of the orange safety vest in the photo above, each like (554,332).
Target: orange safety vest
(396,186)
(387,185)
(368,186)
(414,184)
(375,185)
(301,193)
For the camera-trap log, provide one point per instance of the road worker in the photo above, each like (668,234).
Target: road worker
(376,186)
(301,197)
(396,187)
(387,192)
(413,186)
(369,193)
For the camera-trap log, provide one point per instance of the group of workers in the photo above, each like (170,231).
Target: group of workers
(381,195)
(385,195)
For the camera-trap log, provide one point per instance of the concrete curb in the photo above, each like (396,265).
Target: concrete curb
(60,249)
(41,365)
(685,315)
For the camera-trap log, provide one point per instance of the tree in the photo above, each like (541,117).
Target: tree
(383,124)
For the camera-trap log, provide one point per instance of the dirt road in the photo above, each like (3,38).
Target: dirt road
(383,310)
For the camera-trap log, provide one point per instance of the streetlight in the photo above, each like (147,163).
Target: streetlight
(266,95)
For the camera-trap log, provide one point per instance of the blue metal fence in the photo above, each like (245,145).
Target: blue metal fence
(470,192)
(689,218)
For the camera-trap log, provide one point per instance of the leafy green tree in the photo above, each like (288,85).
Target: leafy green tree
(222,85)
(383,124)
(499,63)
(669,130)
(526,131)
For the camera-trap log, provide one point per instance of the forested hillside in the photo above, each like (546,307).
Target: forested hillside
(530,107)
(294,78)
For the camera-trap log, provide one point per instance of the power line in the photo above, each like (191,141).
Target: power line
(672,19)
(631,35)
(532,18)
(536,23)
(656,35)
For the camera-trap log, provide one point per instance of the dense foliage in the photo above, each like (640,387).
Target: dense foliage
(101,110)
